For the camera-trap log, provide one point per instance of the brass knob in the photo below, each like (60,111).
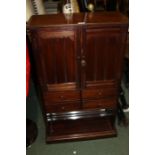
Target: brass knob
(90,7)
(83,63)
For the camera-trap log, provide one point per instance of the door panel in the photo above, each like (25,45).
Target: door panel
(101,54)
(58,53)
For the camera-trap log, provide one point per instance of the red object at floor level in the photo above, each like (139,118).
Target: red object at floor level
(31,128)
(27,70)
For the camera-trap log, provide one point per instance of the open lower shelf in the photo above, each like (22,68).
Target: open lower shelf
(81,129)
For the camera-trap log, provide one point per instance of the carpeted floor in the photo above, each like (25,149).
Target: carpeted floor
(108,146)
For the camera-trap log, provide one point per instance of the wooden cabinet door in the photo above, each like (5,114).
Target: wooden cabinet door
(57,52)
(102,56)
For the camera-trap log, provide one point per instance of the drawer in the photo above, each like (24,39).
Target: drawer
(62,107)
(99,93)
(98,104)
(61,96)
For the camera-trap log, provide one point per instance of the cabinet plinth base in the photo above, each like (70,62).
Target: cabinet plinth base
(82,129)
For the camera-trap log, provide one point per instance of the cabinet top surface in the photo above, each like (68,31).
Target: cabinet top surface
(77,19)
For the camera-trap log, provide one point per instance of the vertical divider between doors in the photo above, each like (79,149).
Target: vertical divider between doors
(79,57)
(83,53)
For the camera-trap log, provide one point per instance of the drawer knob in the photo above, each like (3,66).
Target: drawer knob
(61,96)
(100,93)
(63,108)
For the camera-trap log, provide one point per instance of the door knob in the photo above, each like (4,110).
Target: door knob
(83,63)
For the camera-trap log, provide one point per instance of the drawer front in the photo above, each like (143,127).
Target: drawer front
(98,93)
(62,107)
(56,97)
(98,104)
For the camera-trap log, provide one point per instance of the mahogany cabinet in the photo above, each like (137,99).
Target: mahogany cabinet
(78,61)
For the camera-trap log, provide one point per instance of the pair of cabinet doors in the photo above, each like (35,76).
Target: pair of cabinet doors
(79,63)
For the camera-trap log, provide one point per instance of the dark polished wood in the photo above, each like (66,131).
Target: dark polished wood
(90,128)
(52,20)
(79,66)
